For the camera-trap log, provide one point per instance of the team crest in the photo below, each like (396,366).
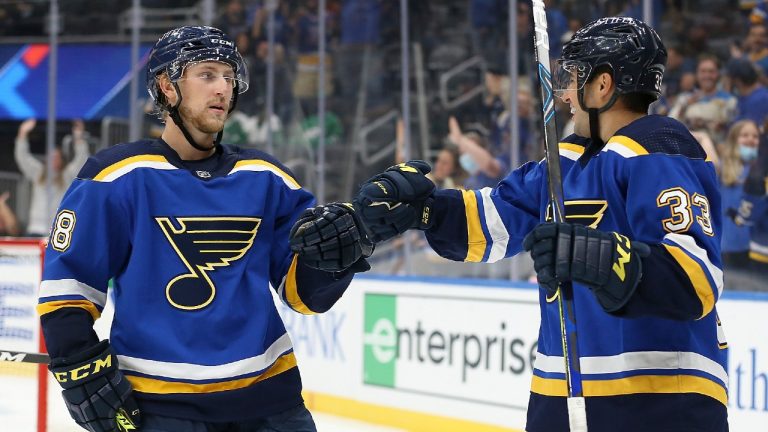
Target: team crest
(202,244)
(584,212)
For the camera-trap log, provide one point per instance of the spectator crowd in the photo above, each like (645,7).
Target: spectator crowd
(715,83)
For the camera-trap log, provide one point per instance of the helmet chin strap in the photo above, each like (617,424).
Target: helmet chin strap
(594,124)
(173,112)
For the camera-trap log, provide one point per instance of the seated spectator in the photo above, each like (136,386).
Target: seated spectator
(753,210)
(447,172)
(679,75)
(233,21)
(756,45)
(43,205)
(483,167)
(737,154)
(707,107)
(306,31)
(752,102)
(9,225)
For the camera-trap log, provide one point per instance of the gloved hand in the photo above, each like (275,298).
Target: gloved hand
(741,216)
(329,238)
(96,393)
(396,200)
(607,262)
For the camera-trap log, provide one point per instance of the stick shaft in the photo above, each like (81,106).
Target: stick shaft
(577,416)
(24,357)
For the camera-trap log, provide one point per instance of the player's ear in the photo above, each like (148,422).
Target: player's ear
(167,89)
(605,85)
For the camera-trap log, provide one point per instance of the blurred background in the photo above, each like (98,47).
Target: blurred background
(341,89)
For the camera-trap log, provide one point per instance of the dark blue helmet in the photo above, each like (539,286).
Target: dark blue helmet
(192,44)
(631,48)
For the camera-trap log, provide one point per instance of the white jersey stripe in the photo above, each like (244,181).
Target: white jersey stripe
(189,371)
(263,166)
(496,228)
(69,287)
(757,247)
(620,149)
(570,154)
(114,175)
(633,361)
(688,243)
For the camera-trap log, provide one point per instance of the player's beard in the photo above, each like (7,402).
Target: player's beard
(202,120)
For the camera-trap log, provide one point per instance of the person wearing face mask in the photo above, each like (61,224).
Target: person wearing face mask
(752,211)
(736,156)
(484,169)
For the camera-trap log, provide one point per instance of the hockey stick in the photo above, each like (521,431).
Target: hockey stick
(24,357)
(577,413)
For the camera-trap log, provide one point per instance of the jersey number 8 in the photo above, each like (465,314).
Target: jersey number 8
(62,230)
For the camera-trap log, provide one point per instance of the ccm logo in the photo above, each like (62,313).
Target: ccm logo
(85,370)
(222,42)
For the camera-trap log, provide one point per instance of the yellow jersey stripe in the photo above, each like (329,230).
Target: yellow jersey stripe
(475,238)
(571,147)
(52,306)
(156,386)
(629,143)
(697,277)
(258,163)
(757,256)
(292,291)
(128,161)
(634,385)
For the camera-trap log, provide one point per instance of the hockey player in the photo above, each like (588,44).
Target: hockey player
(641,243)
(192,232)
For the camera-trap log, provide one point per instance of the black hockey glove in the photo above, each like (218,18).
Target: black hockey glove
(607,262)
(396,200)
(96,393)
(330,238)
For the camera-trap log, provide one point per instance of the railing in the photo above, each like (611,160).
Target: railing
(114,130)
(445,78)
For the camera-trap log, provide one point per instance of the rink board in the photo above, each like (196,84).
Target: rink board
(465,354)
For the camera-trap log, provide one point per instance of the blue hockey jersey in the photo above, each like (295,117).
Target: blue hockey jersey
(192,247)
(665,349)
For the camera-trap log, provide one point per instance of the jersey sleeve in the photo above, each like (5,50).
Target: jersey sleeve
(673,204)
(89,243)
(301,288)
(489,224)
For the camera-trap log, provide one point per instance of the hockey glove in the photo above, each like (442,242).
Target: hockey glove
(741,216)
(607,262)
(396,200)
(96,393)
(329,238)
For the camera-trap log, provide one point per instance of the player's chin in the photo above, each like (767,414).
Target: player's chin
(213,126)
